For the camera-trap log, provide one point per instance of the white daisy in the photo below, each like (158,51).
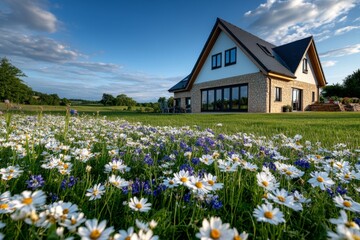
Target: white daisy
(206,159)
(211,180)
(267,181)
(266,213)
(343,219)
(215,229)
(139,205)
(95,192)
(199,185)
(95,230)
(347,203)
(117,181)
(320,179)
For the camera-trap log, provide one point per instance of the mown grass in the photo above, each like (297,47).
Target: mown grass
(327,127)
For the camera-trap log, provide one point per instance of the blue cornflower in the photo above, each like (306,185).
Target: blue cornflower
(69,183)
(330,192)
(302,163)
(35,181)
(188,168)
(270,165)
(148,160)
(215,203)
(53,197)
(187,197)
(357,221)
(341,190)
(221,137)
(183,145)
(195,161)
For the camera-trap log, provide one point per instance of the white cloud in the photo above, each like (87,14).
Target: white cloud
(285,21)
(28,14)
(346,29)
(328,63)
(36,48)
(348,50)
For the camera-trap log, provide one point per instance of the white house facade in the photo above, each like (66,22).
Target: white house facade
(239,72)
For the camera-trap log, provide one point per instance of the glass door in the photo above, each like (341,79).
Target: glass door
(296,99)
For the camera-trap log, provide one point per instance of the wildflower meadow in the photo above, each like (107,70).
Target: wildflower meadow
(89,177)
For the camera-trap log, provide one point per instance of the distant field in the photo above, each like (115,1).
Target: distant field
(327,127)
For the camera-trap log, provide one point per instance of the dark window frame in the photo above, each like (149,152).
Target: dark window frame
(278,93)
(305,65)
(313,96)
(228,52)
(218,61)
(230,107)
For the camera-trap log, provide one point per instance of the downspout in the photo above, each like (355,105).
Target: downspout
(269,95)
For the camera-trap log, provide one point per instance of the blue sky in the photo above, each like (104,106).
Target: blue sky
(84,48)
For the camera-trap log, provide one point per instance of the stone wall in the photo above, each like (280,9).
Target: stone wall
(286,95)
(183,96)
(257,91)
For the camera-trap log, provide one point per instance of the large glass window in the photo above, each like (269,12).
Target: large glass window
(231,98)
(230,56)
(277,94)
(211,99)
(204,100)
(216,61)
(244,98)
(235,98)
(218,100)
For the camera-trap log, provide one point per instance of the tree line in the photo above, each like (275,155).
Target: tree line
(349,88)
(13,89)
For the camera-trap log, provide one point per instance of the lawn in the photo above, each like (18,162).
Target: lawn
(178,176)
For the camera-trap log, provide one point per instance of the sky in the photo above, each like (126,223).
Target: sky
(84,48)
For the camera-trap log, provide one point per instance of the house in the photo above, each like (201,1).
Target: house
(239,72)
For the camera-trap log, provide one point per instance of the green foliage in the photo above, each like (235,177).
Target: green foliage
(12,87)
(352,84)
(349,88)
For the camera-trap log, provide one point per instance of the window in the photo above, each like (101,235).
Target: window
(216,61)
(265,50)
(229,98)
(278,94)
(305,65)
(313,97)
(230,56)
(188,103)
(177,102)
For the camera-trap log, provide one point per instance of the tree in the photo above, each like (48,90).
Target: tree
(352,84)
(123,100)
(12,87)
(333,90)
(107,100)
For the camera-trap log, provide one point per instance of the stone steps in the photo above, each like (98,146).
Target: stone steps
(332,107)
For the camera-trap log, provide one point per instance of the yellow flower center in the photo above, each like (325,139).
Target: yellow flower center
(4,206)
(268,215)
(347,204)
(318,156)
(66,166)
(127,238)
(237,237)
(355,237)
(95,234)
(265,196)
(288,172)
(199,184)
(27,201)
(171,182)
(11,170)
(347,176)
(66,211)
(215,234)
(95,192)
(73,221)
(211,182)
(320,179)
(350,224)
(138,206)
(265,183)
(183,179)
(281,198)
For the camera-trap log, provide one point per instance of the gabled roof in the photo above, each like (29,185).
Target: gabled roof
(180,85)
(280,61)
(293,52)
